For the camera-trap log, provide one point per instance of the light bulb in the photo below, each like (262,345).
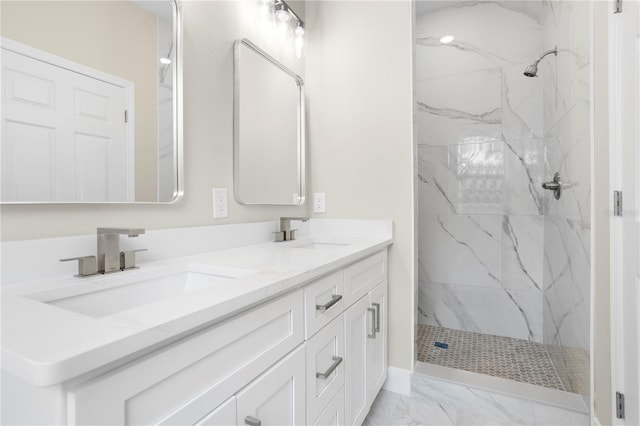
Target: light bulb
(165,61)
(299,41)
(282,13)
(447,39)
(299,46)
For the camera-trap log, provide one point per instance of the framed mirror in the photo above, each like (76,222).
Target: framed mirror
(91,101)
(269,129)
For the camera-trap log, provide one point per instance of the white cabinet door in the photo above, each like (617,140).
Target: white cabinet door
(278,396)
(365,353)
(358,326)
(224,415)
(377,346)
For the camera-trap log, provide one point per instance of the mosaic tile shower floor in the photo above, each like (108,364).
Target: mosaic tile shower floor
(505,357)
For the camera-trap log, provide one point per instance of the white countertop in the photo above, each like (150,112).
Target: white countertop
(46,345)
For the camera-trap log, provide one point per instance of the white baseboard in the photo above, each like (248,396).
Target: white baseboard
(398,381)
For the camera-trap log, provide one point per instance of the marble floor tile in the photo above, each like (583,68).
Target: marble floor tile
(437,402)
(382,409)
(411,411)
(545,415)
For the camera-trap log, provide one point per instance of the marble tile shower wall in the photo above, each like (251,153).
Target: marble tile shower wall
(480,164)
(498,254)
(567,222)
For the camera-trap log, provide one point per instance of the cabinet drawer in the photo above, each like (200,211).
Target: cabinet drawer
(363,276)
(333,414)
(323,301)
(184,381)
(325,366)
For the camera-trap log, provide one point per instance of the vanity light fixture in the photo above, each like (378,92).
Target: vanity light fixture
(284,14)
(447,39)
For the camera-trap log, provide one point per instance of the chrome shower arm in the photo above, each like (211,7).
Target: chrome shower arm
(548,52)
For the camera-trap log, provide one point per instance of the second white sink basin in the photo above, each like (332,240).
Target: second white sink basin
(115,294)
(316,246)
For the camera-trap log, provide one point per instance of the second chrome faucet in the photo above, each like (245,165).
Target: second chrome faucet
(286,233)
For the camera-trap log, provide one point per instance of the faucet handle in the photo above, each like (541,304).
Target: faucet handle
(128,259)
(87,265)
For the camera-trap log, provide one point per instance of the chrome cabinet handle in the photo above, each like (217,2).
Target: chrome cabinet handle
(373,323)
(377,307)
(336,362)
(252,421)
(334,299)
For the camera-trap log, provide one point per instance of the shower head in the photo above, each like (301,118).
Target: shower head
(532,70)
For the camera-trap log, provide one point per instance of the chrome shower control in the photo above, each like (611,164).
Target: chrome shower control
(555,185)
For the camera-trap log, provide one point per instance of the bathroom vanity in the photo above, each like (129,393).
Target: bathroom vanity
(265,333)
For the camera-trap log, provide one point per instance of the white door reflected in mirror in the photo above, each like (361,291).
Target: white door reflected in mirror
(90,101)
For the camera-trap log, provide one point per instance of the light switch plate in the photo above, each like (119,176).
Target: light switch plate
(220,204)
(319,202)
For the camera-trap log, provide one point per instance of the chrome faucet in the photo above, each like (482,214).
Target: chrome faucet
(109,247)
(286,233)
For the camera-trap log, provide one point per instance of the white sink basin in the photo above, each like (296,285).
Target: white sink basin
(316,246)
(112,294)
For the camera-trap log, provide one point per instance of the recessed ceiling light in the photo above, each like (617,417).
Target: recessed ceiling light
(447,39)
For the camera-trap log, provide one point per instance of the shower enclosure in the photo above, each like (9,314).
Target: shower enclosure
(504,266)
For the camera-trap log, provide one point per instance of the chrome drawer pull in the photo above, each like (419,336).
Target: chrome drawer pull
(336,362)
(252,421)
(334,299)
(377,306)
(373,323)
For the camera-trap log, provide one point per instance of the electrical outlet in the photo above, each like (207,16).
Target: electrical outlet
(319,202)
(220,205)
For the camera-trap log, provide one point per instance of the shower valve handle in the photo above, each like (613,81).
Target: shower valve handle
(555,185)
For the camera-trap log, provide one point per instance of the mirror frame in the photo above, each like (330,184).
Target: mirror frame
(301,122)
(178,148)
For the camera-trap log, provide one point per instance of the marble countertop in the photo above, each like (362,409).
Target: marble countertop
(45,345)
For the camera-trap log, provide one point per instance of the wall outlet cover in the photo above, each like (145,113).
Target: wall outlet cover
(220,203)
(319,203)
